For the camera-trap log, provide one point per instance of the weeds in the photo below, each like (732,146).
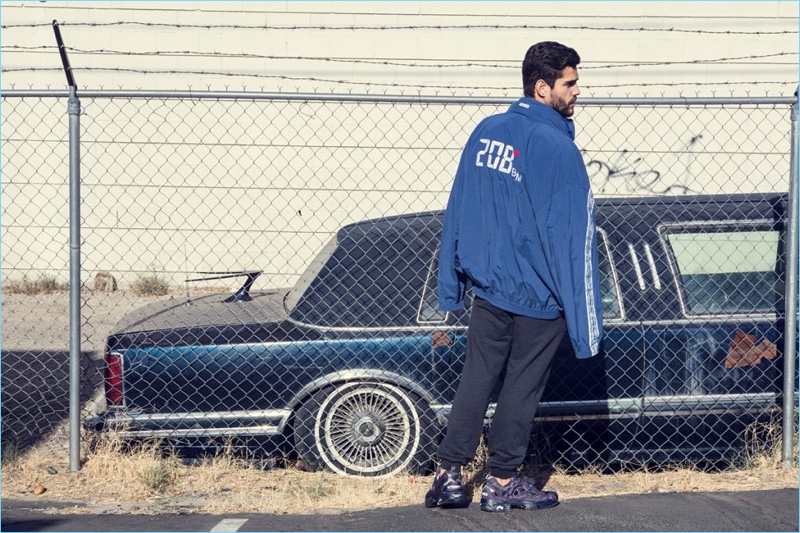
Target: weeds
(44,284)
(316,489)
(157,476)
(150,285)
(145,466)
(12,453)
(129,474)
(763,445)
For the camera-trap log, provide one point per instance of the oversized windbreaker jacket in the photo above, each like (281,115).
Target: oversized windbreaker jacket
(519,225)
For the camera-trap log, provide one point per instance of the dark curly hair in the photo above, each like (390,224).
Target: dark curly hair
(546,61)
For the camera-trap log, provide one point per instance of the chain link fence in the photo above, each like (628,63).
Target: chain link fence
(325,211)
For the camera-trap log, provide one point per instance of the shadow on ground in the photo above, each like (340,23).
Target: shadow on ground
(35,393)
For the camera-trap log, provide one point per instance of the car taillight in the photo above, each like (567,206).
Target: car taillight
(113,379)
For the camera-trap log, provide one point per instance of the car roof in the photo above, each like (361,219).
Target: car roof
(376,274)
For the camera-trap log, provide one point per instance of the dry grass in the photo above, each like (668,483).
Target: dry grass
(150,285)
(43,284)
(145,480)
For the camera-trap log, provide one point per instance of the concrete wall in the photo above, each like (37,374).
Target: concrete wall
(179,186)
(627,48)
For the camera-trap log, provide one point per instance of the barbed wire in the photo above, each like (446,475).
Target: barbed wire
(389,27)
(726,60)
(121,70)
(416,15)
(401,62)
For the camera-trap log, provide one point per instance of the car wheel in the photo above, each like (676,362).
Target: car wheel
(365,429)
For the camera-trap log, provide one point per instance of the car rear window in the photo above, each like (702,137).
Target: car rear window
(311,272)
(373,276)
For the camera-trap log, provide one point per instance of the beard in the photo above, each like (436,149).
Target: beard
(564,107)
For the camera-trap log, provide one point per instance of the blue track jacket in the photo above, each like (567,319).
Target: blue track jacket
(519,224)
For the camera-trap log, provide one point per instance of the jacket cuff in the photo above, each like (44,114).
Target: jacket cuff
(451,307)
(584,354)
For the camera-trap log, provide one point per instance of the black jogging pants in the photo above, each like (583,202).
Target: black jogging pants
(524,347)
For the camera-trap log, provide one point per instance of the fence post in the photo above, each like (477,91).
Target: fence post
(790,336)
(74,110)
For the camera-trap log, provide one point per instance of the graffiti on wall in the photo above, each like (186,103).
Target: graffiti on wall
(627,172)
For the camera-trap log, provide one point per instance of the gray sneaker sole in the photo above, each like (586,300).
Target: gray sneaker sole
(501,506)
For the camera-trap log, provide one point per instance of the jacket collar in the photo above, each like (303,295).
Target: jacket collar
(539,111)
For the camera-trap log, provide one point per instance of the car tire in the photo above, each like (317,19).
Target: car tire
(365,429)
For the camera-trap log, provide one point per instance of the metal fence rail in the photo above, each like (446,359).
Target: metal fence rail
(177,185)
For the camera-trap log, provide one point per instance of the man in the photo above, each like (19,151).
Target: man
(519,229)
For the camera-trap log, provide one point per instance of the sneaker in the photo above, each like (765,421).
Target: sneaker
(446,490)
(520,493)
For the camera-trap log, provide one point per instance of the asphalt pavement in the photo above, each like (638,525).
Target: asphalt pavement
(774,510)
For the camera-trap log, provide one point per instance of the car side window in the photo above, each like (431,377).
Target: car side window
(723,269)
(609,293)
(429,312)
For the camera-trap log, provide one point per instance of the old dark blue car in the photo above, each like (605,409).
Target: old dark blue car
(354,369)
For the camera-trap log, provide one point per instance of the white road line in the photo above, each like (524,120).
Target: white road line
(230,524)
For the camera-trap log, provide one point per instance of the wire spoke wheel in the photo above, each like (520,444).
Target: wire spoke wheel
(366,429)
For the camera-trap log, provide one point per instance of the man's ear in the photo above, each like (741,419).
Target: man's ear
(541,90)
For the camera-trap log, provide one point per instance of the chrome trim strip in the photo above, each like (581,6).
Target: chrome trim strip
(215,416)
(380,376)
(275,422)
(636,266)
(650,406)
(652,263)
(658,414)
(733,223)
(632,415)
(613,406)
(709,319)
(717,400)
(411,327)
(254,431)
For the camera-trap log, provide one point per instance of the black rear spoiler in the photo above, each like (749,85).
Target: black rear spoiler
(243,294)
